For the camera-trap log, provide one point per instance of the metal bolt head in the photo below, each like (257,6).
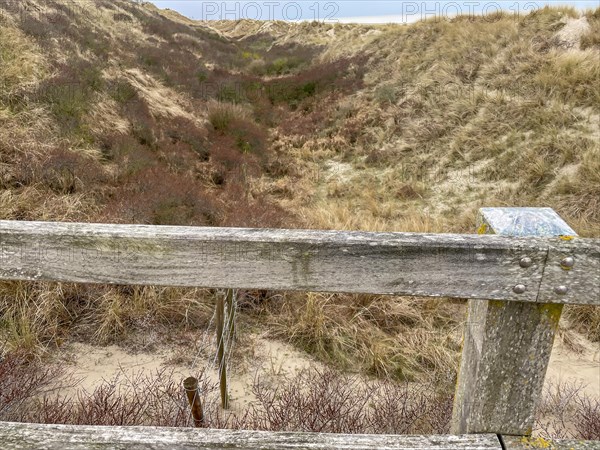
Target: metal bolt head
(519,289)
(525,262)
(567,262)
(561,290)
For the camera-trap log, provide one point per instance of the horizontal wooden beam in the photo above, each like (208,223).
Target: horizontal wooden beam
(449,265)
(24,436)
(70,437)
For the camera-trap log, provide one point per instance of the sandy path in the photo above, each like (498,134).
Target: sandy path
(274,359)
(583,368)
(92,365)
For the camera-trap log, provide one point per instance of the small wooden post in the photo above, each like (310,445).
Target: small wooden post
(221,351)
(191,389)
(507,345)
(230,316)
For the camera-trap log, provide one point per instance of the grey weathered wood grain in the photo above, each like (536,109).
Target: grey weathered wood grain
(506,348)
(522,443)
(582,280)
(461,266)
(18,436)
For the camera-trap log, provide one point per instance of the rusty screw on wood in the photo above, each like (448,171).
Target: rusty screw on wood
(567,263)
(519,289)
(191,389)
(526,262)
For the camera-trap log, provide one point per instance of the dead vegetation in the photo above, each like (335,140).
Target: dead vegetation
(315,399)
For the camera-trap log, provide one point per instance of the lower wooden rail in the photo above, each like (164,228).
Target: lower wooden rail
(23,436)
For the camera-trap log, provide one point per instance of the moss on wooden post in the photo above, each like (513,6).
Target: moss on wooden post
(507,345)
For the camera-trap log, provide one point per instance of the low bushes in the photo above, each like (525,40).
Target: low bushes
(567,412)
(319,80)
(156,196)
(21,381)
(221,115)
(61,170)
(316,400)
(235,139)
(313,400)
(70,96)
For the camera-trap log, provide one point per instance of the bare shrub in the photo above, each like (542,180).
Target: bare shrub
(258,212)
(567,412)
(313,400)
(320,79)
(316,400)
(182,145)
(237,143)
(587,418)
(225,154)
(22,380)
(325,400)
(61,170)
(156,196)
(138,399)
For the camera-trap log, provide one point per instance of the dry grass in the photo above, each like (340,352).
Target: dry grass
(39,317)
(584,319)
(221,115)
(401,338)
(22,62)
(496,125)
(445,125)
(592,38)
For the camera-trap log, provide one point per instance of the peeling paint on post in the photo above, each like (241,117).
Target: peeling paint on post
(507,345)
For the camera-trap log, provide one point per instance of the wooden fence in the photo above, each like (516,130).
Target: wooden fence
(517,273)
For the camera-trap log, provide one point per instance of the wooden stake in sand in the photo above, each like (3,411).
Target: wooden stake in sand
(230,317)
(221,350)
(191,389)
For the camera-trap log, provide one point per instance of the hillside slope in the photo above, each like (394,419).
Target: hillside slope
(453,115)
(122,120)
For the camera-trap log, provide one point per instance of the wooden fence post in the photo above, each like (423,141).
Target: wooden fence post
(231,293)
(191,389)
(507,345)
(221,351)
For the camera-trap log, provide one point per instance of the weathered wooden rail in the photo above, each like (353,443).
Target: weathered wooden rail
(517,273)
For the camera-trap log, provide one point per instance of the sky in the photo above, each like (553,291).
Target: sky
(371,11)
